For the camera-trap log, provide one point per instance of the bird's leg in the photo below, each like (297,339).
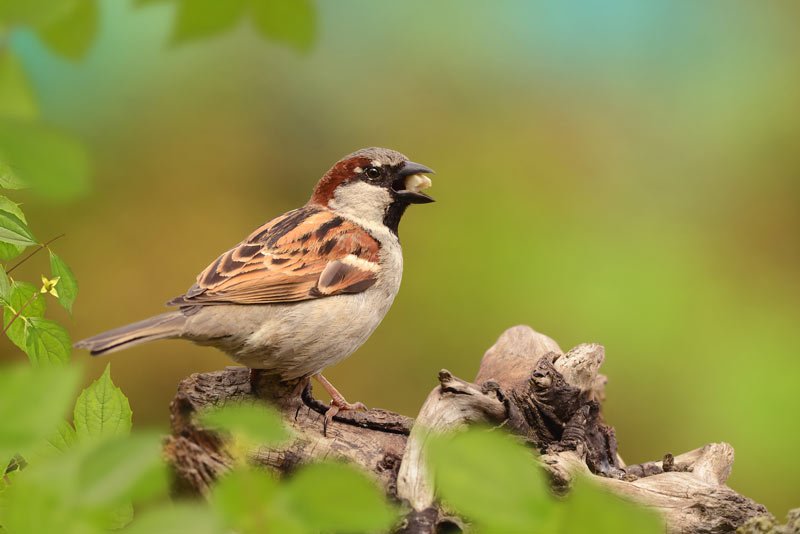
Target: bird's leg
(338,402)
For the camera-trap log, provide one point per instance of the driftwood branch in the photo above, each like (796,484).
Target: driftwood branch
(550,398)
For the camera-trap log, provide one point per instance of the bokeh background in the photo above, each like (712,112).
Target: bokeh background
(623,173)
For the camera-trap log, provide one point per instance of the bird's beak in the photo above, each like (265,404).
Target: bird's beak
(410,182)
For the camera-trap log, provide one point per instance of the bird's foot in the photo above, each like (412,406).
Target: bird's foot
(338,402)
(338,405)
(343,405)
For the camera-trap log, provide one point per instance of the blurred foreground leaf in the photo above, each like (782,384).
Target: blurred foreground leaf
(493,480)
(244,500)
(32,405)
(102,409)
(337,497)
(53,163)
(71,34)
(118,517)
(589,508)
(10,251)
(178,518)
(258,423)
(123,468)
(42,499)
(16,96)
(67,284)
(47,342)
(87,489)
(327,497)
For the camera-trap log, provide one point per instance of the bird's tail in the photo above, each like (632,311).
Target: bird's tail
(164,326)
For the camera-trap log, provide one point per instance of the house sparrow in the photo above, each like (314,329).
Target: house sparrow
(306,289)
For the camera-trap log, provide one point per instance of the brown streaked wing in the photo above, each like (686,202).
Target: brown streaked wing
(297,256)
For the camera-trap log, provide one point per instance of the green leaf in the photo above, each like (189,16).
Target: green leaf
(63,438)
(590,508)
(40,499)
(10,251)
(196,19)
(54,164)
(32,12)
(16,95)
(493,480)
(5,482)
(292,22)
(118,517)
(5,287)
(13,230)
(309,496)
(22,293)
(123,469)
(67,284)
(102,410)
(8,179)
(85,489)
(47,343)
(258,423)
(32,404)
(71,34)
(244,500)
(177,518)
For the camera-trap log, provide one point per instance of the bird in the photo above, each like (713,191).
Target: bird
(306,289)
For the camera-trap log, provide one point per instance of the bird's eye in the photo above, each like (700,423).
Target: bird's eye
(372,172)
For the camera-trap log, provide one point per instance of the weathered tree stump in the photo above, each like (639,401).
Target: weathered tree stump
(549,398)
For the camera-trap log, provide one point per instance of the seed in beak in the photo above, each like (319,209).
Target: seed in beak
(417,182)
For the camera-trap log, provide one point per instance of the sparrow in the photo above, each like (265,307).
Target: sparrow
(305,290)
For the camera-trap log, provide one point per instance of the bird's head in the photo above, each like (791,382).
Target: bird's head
(373,186)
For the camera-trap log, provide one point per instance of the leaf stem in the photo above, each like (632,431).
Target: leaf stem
(32,254)
(22,309)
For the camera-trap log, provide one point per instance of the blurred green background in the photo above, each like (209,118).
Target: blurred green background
(623,173)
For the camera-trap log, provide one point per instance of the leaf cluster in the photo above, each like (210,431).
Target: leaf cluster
(88,476)
(82,476)
(24,304)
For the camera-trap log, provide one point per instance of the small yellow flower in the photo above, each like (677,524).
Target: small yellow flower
(49,285)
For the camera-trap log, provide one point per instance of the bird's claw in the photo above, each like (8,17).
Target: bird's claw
(338,405)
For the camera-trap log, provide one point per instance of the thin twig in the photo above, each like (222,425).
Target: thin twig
(32,254)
